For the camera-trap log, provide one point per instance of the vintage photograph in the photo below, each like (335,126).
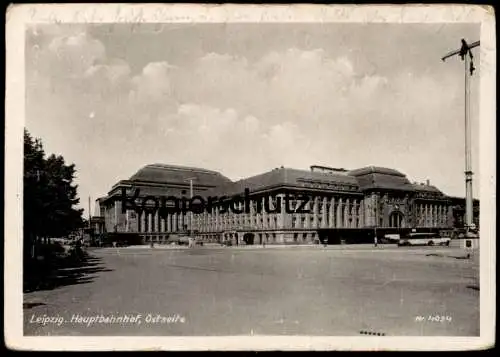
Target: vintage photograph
(253,179)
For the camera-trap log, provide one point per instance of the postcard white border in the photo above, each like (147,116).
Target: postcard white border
(18,16)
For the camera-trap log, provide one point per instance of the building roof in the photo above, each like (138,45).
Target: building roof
(161,180)
(161,173)
(373,177)
(375,170)
(284,177)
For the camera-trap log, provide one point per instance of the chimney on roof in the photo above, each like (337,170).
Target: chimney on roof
(428,182)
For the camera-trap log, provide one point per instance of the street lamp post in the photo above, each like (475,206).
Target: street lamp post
(190,179)
(466,54)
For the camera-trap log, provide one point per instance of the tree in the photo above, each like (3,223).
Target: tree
(49,194)
(33,168)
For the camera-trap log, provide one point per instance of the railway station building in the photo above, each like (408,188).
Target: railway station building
(281,206)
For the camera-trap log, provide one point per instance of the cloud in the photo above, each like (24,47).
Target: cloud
(226,112)
(153,85)
(115,72)
(73,55)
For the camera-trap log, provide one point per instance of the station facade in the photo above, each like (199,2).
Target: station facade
(281,206)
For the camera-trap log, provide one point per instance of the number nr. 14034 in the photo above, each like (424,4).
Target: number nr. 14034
(433,318)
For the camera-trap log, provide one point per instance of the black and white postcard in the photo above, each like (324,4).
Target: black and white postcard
(250,177)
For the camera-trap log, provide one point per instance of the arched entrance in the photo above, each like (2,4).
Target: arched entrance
(248,238)
(396,219)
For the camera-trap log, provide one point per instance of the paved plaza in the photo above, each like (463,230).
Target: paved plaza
(217,291)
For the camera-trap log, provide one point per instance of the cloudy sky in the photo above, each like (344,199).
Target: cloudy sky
(245,98)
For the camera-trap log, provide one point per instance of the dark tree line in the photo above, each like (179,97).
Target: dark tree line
(49,196)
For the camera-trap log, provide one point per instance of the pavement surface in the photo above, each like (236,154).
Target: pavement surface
(221,291)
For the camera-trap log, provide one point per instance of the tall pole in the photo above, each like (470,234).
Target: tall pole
(191,210)
(468,154)
(465,53)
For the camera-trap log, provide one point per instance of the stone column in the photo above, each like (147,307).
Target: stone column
(361,213)
(264,213)
(298,217)
(346,213)
(282,219)
(217,218)
(307,216)
(252,214)
(150,222)
(324,213)
(354,213)
(331,214)
(315,212)
(242,217)
(169,222)
(127,221)
(339,214)
(176,222)
(431,217)
(144,218)
(163,224)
